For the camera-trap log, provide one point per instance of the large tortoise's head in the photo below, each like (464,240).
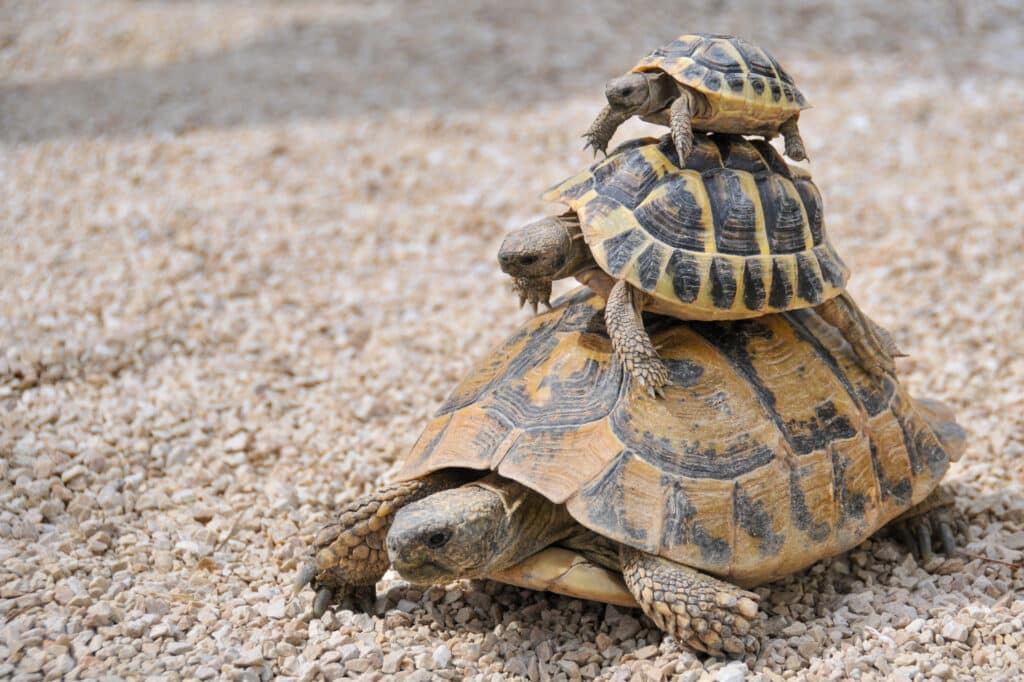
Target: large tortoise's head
(472,531)
(546,249)
(448,535)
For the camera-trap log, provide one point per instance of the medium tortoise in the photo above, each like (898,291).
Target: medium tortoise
(735,233)
(772,450)
(707,82)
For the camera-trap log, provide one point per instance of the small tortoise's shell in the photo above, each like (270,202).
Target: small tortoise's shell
(747,89)
(735,233)
(771,449)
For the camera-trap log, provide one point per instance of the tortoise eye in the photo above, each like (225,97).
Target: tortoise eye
(527,260)
(437,540)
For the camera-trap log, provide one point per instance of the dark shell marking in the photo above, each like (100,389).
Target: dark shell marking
(709,62)
(734,471)
(661,227)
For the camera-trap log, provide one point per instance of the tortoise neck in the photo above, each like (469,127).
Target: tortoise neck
(532,522)
(579,257)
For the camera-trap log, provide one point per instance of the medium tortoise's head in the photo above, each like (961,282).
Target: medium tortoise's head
(628,92)
(548,249)
(451,534)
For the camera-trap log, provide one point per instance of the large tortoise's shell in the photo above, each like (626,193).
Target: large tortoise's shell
(747,89)
(771,449)
(735,233)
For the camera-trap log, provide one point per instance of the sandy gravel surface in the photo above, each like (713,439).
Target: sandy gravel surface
(246,248)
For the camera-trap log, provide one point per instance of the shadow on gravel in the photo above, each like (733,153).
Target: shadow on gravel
(427,57)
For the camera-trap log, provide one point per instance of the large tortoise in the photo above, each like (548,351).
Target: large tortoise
(704,81)
(771,450)
(734,233)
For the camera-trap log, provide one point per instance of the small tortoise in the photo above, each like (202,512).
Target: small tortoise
(772,450)
(734,233)
(709,82)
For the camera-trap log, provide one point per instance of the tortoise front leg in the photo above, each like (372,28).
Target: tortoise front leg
(532,290)
(706,613)
(794,142)
(349,555)
(872,344)
(680,117)
(630,340)
(603,127)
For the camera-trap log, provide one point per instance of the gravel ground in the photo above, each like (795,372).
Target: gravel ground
(248,247)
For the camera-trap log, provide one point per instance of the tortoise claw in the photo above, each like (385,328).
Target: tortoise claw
(924,540)
(522,301)
(948,541)
(304,578)
(322,601)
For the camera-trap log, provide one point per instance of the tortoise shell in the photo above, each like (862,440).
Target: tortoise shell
(746,88)
(735,233)
(772,448)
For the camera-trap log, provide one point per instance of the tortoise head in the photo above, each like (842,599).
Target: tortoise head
(630,92)
(546,249)
(472,531)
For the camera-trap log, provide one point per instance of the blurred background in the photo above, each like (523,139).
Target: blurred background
(246,248)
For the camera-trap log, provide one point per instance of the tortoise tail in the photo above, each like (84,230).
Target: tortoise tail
(942,421)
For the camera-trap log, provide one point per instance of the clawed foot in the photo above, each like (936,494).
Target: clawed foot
(652,376)
(727,625)
(917,533)
(533,291)
(595,144)
(362,598)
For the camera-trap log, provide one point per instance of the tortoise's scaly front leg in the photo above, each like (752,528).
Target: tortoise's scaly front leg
(349,554)
(532,290)
(794,142)
(706,613)
(681,122)
(630,339)
(603,127)
(872,344)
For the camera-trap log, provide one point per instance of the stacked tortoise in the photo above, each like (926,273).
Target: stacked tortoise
(772,449)
(709,82)
(732,233)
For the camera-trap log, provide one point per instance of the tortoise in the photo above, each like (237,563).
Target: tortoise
(705,81)
(734,233)
(771,450)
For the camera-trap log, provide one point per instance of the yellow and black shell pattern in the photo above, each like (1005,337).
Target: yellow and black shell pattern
(772,448)
(746,88)
(734,233)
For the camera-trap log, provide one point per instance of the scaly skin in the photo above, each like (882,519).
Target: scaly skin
(794,142)
(630,340)
(349,554)
(603,127)
(706,613)
(681,123)
(872,344)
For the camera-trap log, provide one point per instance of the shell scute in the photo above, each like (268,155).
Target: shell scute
(735,233)
(763,457)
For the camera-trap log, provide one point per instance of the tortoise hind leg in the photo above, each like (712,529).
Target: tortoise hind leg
(931,519)
(630,340)
(872,344)
(706,613)
(794,142)
(349,554)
